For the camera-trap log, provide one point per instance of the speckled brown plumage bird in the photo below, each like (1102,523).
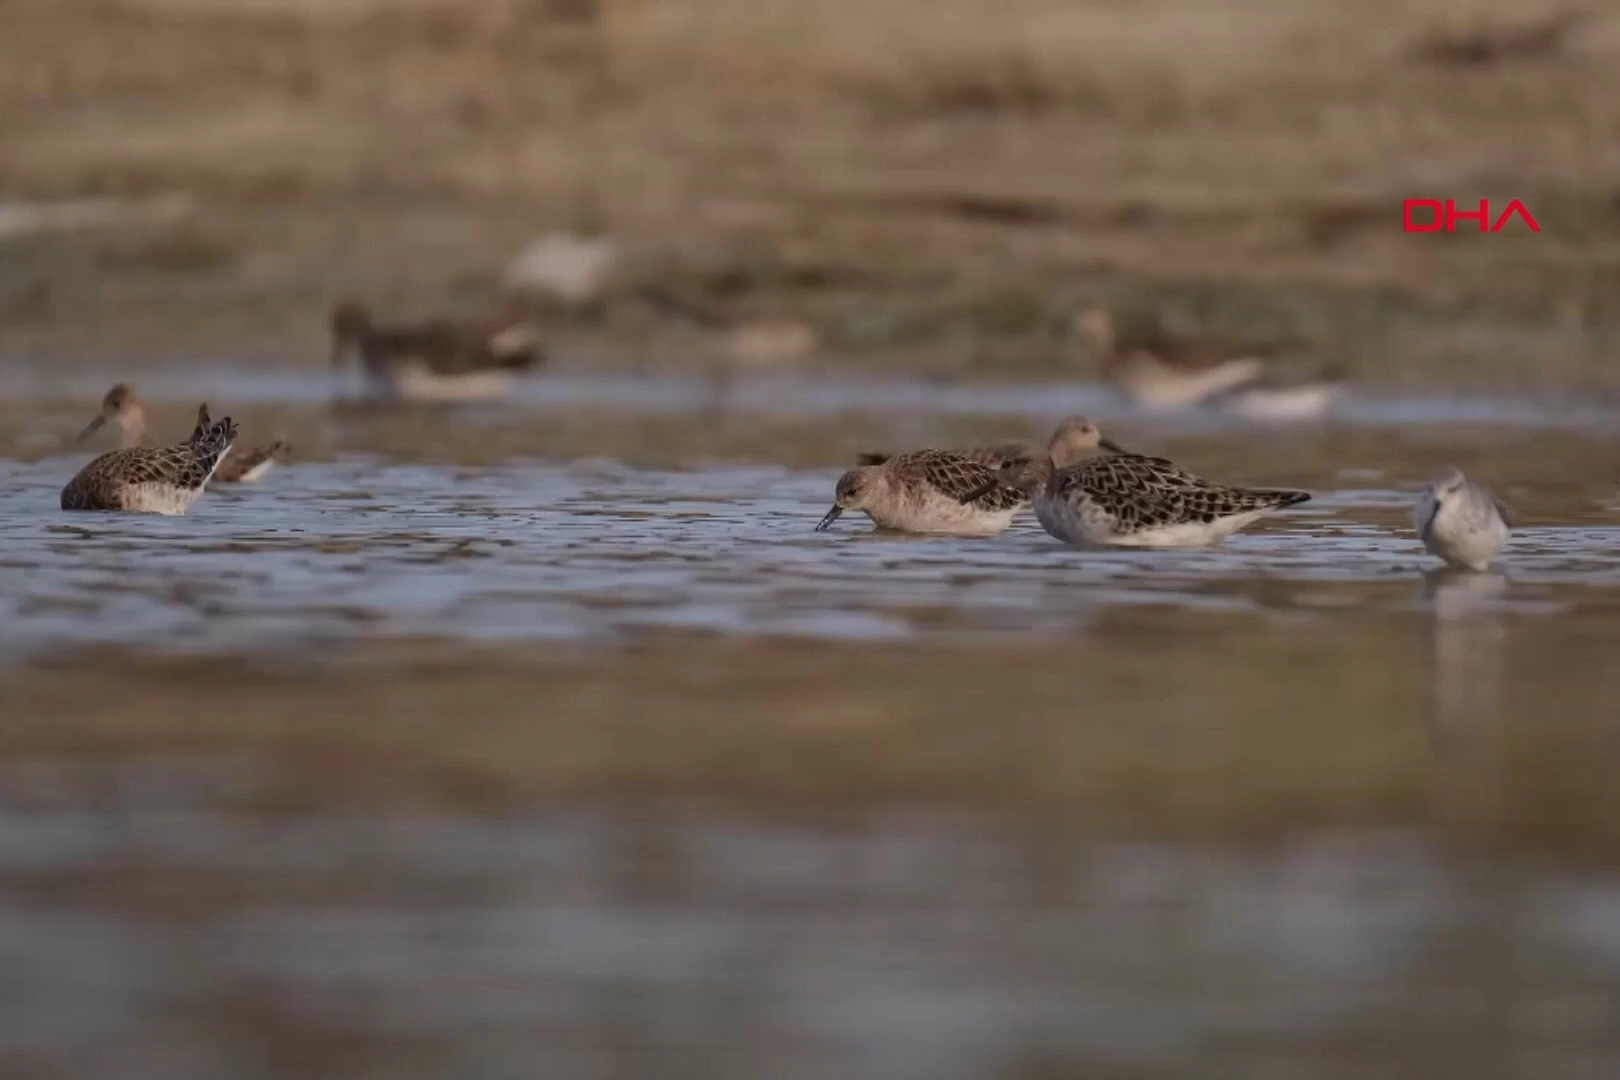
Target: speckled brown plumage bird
(163,480)
(1133,500)
(922,491)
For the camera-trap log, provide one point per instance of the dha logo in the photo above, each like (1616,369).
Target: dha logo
(1433,215)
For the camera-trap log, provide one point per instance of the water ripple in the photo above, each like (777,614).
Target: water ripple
(362,546)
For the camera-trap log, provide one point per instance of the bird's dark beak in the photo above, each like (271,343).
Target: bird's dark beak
(1428,526)
(979,492)
(1112,447)
(832,516)
(93,427)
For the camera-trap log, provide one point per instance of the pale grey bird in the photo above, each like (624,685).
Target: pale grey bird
(1460,521)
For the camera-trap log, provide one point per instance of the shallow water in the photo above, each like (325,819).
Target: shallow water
(600,940)
(360,546)
(1302,804)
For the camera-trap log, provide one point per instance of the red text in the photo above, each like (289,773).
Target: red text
(1433,215)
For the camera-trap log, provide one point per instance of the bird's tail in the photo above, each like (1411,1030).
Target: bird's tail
(210,443)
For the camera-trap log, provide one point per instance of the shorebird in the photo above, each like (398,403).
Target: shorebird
(1161,371)
(122,407)
(142,479)
(435,360)
(249,468)
(1131,500)
(1460,521)
(925,491)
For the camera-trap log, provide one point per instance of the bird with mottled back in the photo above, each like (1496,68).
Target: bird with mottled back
(923,491)
(1131,500)
(1143,493)
(162,480)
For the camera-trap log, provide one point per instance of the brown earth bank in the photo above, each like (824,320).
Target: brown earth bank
(930,184)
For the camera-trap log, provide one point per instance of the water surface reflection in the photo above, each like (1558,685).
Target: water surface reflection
(172,931)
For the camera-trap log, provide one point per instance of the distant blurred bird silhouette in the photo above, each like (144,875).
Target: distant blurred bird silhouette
(1162,371)
(435,360)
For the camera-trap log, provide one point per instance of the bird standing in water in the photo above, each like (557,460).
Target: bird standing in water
(162,480)
(1460,521)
